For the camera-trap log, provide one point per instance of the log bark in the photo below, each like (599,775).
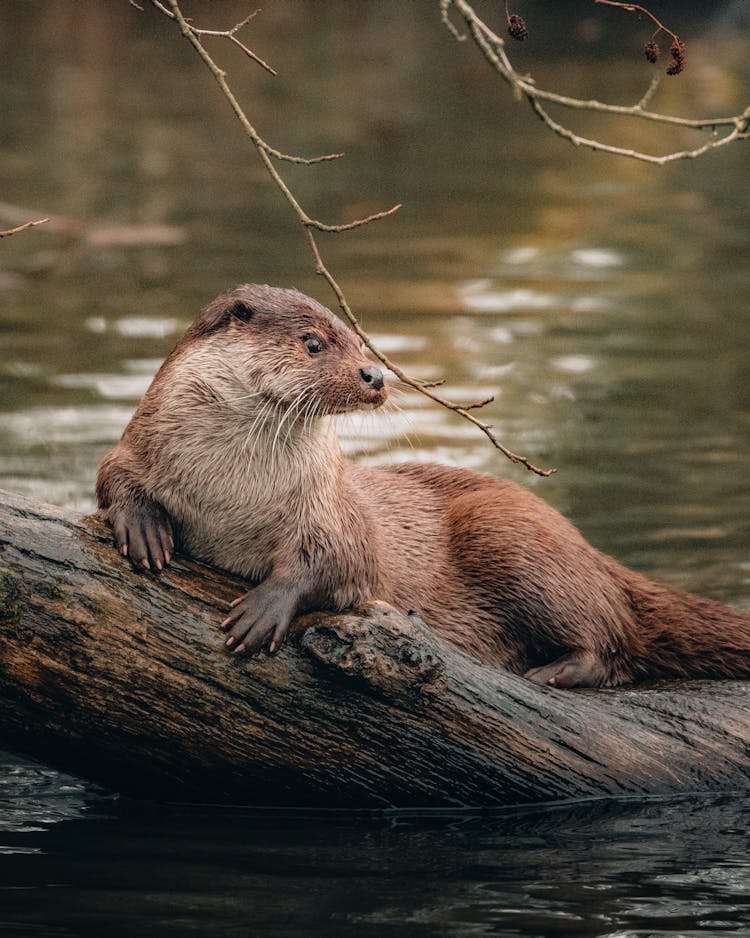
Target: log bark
(122,677)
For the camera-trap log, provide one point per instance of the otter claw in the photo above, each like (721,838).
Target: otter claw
(143,534)
(259,619)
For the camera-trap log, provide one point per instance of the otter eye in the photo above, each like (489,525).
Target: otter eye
(313,344)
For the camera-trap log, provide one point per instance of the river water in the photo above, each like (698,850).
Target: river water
(602,301)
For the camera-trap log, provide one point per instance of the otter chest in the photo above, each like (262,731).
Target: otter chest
(241,520)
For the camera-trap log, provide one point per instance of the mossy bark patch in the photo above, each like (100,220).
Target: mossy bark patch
(11,604)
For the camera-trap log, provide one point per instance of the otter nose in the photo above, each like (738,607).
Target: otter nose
(372,376)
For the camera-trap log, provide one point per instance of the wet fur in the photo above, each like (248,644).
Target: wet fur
(234,444)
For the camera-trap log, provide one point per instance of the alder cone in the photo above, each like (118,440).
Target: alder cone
(517,27)
(652,51)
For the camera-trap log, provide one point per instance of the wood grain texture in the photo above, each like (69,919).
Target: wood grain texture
(122,677)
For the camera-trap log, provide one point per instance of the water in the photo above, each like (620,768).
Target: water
(75,864)
(602,301)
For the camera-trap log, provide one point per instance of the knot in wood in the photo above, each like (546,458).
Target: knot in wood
(379,646)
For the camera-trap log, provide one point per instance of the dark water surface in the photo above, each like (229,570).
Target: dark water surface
(604,302)
(72,864)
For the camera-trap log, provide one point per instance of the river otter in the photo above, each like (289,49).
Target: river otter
(234,448)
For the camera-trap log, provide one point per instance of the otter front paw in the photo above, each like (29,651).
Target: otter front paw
(143,533)
(258,619)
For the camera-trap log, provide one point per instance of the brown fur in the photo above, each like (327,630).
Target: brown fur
(233,445)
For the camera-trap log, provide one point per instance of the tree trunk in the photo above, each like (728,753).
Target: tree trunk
(122,677)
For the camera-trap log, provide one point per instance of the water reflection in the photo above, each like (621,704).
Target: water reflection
(599,868)
(33,798)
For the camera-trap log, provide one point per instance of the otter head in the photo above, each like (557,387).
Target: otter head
(282,347)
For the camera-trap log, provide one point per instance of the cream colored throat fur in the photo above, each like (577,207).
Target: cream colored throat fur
(246,477)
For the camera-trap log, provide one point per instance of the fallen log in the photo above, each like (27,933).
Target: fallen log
(122,677)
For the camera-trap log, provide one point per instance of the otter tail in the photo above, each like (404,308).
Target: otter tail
(682,635)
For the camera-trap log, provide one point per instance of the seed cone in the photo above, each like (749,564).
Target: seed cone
(652,51)
(677,51)
(517,27)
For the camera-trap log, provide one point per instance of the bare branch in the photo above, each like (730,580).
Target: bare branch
(28,224)
(649,93)
(637,8)
(579,141)
(479,404)
(445,6)
(493,49)
(229,34)
(267,155)
(277,154)
(421,386)
(652,51)
(334,229)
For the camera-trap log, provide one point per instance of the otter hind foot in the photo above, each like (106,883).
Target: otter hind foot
(576,669)
(259,619)
(143,534)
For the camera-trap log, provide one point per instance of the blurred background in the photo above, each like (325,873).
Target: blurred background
(603,301)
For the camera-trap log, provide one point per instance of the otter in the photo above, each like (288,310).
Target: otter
(232,455)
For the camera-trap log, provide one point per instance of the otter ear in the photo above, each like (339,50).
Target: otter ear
(219,313)
(241,311)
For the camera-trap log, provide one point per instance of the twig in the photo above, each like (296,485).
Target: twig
(422,386)
(493,49)
(266,152)
(286,157)
(28,224)
(650,92)
(637,8)
(652,50)
(229,34)
(335,229)
(579,141)
(445,6)
(312,225)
